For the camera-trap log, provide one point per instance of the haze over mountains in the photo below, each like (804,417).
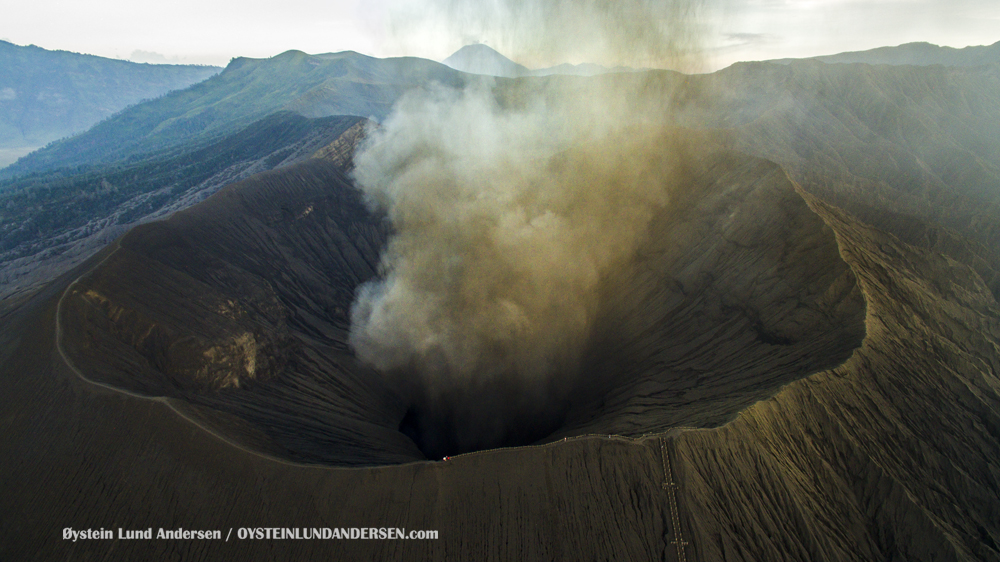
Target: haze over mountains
(48,95)
(247,90)
(920,54)
(481,59)
(797,360)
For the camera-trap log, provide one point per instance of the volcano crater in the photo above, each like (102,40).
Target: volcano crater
(237,312)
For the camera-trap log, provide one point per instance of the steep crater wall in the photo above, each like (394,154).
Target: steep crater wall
(237,311)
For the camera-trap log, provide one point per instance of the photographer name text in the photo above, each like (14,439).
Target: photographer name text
(249,533)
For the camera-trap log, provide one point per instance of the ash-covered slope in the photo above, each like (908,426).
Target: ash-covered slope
(241,305)
(920,141)
(892,454)
(912,151)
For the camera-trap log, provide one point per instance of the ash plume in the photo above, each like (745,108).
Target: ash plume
(510,205)
(505,220)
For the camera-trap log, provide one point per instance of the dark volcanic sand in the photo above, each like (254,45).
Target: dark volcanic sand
(892,454)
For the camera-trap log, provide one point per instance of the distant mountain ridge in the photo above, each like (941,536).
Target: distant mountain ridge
(481,59)
(247,90)
(46,95)
(917,54)
(345,83)
(49,222)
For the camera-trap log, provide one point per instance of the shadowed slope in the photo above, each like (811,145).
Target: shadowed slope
(241,304)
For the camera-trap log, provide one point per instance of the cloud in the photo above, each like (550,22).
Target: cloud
(151,57)
(748,38)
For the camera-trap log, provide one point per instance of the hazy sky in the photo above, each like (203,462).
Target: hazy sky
(213,31)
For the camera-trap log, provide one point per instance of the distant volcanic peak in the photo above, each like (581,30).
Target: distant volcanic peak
(481,59)
(259,280)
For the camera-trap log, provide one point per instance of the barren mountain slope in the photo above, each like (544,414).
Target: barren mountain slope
(893,454)
(842,328)
(241,305)
(910,150)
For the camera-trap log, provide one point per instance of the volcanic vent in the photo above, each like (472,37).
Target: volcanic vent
(237,311)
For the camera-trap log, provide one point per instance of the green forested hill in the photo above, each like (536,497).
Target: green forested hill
(247,90)
(46,95)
